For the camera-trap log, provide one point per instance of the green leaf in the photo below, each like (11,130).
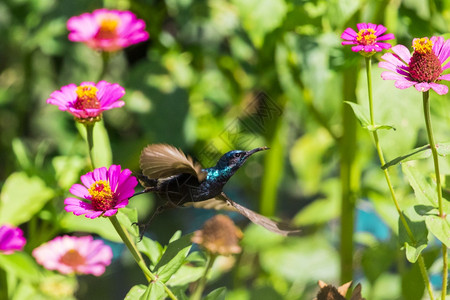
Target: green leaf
(377,127)
(127,216)
(360,113)
(151,248)
(439,227)
(100,226)
(443,149)
(136,292)
(20,264)
(154,291)
(376,260)
(186,274)
(217,294)
(67,169)
(419,231)
(260,17)
(321,210)
(22,197)
(417,153)
(425,191)
(173,258)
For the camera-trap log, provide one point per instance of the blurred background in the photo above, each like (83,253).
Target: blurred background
(215,76)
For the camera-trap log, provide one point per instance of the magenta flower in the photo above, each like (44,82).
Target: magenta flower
(70,254)
(423,69)
(104,192)
(367,38)
(107,30)
(11,239)
(88,100)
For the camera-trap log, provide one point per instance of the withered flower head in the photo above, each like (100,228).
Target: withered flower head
(329,292)
(219,236)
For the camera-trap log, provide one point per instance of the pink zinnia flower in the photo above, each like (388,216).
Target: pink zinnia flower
(367,38)
(107,30)
(423,69)
(11,239)
(70,254)
(88,100)
(104,192)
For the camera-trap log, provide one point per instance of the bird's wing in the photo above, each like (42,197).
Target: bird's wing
(222,202)
(213,203)
(162,160)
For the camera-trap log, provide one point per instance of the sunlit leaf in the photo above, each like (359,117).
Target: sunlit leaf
(418,242)
(217,294)
(151,248)
(22,197)
(439,227)
(21,264)
(136,292)
(154,291)
(173,258)
(417,153)
(360,113)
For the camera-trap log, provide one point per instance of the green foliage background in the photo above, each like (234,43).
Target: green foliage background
(204,64)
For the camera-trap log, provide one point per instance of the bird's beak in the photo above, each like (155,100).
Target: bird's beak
(249,153)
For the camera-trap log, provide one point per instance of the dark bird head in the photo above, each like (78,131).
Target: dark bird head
(236,158)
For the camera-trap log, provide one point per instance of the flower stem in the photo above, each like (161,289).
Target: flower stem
(427,114)
(3,285)
(137,255)
(422,267)
(90,141)
(105,61)
(201,284)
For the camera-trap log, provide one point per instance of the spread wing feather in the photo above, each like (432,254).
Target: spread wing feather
(162,161)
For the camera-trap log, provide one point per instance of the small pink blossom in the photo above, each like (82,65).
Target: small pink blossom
(11,239)
(88,100)
(422,69)
(367,38)
(104,191)
(107,30)
(70,254)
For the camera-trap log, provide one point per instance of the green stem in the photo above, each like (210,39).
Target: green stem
(90,141)
(427,114)
(202,283)
(350,176)
(3,285)
(137,255)
(423,269)
(105,61)
(426,111)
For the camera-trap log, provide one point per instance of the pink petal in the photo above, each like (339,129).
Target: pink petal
(379,29)
(422,86)
(444,77)
(402,52)
(440,89)
(349,34)
(79,191)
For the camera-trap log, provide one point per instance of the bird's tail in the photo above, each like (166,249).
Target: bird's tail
(277,227)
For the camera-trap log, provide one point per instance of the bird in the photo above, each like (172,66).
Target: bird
(179,180)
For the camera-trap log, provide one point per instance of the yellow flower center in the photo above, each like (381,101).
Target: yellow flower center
(108,27)
(366,37)
(422,45)
(72,258)
(86,97)
(102,198)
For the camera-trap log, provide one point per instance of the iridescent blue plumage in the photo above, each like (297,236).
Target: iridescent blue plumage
(175,178)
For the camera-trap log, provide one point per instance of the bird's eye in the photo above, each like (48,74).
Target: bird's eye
(237,155)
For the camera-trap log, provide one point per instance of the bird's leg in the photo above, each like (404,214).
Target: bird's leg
(159,210)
